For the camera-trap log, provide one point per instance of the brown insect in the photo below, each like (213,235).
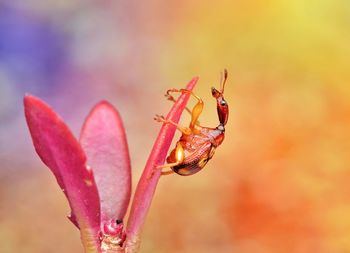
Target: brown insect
(197,144)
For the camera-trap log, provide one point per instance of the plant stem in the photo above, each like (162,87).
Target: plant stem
(150,176)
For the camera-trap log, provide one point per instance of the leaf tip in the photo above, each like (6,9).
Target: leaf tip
(29,100)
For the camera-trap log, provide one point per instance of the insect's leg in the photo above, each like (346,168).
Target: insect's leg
(182,91)
(184,130)
(196,110)
(167,165)
(179,158)
(171,98)
(169,172)
(162,173)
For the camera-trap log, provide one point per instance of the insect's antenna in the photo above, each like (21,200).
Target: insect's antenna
(223,80)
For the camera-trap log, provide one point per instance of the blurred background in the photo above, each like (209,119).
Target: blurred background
(279,183)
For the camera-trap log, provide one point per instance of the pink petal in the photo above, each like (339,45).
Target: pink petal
(61,152)
(148,182)
(104,142)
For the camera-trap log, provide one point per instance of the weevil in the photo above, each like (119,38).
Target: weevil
(197,144)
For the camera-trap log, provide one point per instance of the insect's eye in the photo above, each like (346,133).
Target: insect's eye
(223,103)
(221,128)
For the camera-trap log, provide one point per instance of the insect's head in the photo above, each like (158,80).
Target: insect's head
(221,103)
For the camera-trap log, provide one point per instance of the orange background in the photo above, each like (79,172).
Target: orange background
(279,182)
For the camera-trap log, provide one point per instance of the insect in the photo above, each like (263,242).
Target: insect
(197,144)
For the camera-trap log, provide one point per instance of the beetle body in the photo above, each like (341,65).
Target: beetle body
(197,144)
(198,148)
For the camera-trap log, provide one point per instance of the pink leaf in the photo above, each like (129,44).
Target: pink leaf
(149,179)
(61,152)
(104,142)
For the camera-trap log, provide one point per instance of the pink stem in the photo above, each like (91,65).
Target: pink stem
(150,177)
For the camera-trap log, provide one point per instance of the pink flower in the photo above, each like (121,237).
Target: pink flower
(95,174)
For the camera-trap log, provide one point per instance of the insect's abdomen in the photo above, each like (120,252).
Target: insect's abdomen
(187,169)
(194,161)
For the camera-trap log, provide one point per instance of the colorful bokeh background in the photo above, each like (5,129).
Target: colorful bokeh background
(280,181)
